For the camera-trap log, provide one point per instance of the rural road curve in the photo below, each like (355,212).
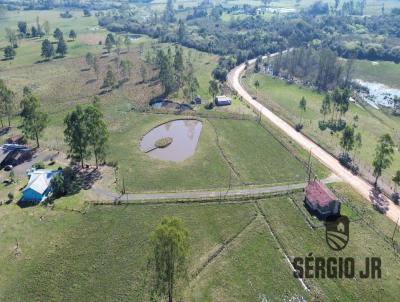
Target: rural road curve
(358,183)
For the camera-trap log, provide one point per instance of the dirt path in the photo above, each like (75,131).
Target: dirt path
(359,184)
(111,196)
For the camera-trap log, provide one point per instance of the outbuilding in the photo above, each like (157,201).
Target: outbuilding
(222,100)
(39,185)
(320,201)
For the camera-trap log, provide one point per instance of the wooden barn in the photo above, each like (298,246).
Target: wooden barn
(320,201)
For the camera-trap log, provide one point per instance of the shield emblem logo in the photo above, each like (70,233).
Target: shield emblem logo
(337,233)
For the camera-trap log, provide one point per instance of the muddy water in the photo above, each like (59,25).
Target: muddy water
(185,136)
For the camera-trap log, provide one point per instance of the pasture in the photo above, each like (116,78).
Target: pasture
(384,72)
(103,254)
(284,99)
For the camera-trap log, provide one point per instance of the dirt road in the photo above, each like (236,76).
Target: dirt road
(359,184)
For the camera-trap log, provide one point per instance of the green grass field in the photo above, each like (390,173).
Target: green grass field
(29,50)
(384,72)
(299,239)
(284,98)
(101,255)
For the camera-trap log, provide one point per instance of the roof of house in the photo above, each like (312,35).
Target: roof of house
(39,180)
(222,98)
(317,193)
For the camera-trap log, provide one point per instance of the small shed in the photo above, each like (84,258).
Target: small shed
(321,201)
(39,185)
(222,100)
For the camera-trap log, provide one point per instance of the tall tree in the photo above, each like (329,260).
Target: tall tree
(96,67)
(110,41)
(303,108)
(72,34)
(23,28)
(169,13)
(167,74)
(181,31)
(9,52)
(47,49)
(170,246)
(118,45)
(34,121)
(126,68)
(97,132)
(58,34)
(7,102)
(213,88)
(89,59)
(357,143)
(61,47)
(11,37)
(326,105)
(46,27)
(383,155)
(347,139)
(110,80)
(76,135)
(128,43)
(143,72)
(396,180)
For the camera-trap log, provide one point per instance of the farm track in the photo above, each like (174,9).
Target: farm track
(357,183)
(160,198)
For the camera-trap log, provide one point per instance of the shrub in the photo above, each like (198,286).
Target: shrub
(298,127)
(10,196)
(163,142)
(209,106)
(58,185)
(39,165)
(396,198)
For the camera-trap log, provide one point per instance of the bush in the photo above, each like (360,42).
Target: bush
(396,198)
(209,106)
(346,161)
(298,127)
(39,165)
(163,142)
(58,185)
(10,196)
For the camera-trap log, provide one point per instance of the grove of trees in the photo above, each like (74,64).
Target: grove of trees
(86,134)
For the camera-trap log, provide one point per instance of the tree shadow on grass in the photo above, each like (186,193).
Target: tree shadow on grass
(91,81)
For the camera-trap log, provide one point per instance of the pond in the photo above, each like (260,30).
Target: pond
(185,136)
(378,94)
(167,104)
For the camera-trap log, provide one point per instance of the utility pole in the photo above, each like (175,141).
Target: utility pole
(309,167)
(395,228)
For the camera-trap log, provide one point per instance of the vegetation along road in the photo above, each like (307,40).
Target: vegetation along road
(358,183)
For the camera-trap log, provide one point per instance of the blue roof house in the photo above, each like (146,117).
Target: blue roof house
(39,185)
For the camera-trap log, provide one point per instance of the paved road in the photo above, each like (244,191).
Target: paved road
(107,195)
(358,183)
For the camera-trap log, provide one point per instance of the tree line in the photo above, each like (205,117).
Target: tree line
(85,129)
(254,35)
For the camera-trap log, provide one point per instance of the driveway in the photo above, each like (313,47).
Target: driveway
(43,156)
